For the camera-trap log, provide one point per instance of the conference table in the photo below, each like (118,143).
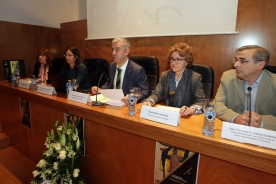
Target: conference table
(121,149)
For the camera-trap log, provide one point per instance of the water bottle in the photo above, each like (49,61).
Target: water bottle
(131,103)
(69,87)
(14,80)
(33,85)
(209,120)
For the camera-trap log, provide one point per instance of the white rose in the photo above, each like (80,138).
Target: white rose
(35,173)
(41,163)
(49,152)
(55,166)
(57,146)
(62,154)
(60,128)
(76,173)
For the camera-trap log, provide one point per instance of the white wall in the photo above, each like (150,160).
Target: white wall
(48,13)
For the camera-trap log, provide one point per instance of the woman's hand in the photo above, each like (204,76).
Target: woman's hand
(147,103)
(185,111)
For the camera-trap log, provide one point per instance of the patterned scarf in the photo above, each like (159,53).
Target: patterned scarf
(176,94)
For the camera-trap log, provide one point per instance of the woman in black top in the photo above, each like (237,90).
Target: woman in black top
(76,70)
(44,65)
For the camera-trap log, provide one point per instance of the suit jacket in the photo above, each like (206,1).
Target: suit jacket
(191,89)
(230,98)
(135,76)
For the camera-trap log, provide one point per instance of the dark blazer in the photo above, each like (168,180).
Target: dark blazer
(190,90)
(135,76)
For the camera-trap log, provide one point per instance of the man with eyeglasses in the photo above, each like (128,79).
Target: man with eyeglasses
(248,77)
(123,73)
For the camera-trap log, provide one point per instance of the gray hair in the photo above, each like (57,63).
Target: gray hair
(260,53)
(124,41)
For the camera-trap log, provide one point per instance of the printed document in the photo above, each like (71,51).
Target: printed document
(110,96)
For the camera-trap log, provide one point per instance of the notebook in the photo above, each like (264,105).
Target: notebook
(58,81)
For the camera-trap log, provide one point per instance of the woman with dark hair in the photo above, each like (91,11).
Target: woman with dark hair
(180,86)
(76,70)
(44,65)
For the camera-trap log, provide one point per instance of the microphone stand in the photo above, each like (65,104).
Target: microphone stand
(249,104)
(96,103)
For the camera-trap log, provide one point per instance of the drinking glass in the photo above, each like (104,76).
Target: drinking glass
(75,84)
(42,79)
(137,92)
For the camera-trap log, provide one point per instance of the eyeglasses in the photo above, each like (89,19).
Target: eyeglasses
(68,55)
(242,61)
(177,60)
(41,55)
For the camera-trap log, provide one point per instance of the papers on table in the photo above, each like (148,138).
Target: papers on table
(110,97)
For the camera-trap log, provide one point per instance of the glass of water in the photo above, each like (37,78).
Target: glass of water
(137,92)
(75,84)
(43,82)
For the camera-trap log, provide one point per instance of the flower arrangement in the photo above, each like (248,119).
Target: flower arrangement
(61,161)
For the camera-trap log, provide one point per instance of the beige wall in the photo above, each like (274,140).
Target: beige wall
(48,13)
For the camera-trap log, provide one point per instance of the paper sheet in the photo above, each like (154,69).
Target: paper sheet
(110,96)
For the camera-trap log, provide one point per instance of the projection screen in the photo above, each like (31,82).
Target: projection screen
(149,18)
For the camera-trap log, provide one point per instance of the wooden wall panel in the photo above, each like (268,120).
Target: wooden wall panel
(116,156)
(255,21)
(10,119)
(218,171)
(22,138)
(43,119)
(22,41)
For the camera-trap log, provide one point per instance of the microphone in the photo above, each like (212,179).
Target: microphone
(249,103)
(96,103)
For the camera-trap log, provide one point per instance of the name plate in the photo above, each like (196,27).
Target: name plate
(79,97)
(24,84)
(48,90)
(160,115)
(247,134)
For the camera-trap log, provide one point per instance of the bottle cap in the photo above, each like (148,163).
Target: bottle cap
(211,104)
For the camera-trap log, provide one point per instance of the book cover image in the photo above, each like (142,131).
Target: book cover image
(25,112)
(174,165)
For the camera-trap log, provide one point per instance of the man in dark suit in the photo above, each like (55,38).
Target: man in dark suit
(249,73)
(123,73)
